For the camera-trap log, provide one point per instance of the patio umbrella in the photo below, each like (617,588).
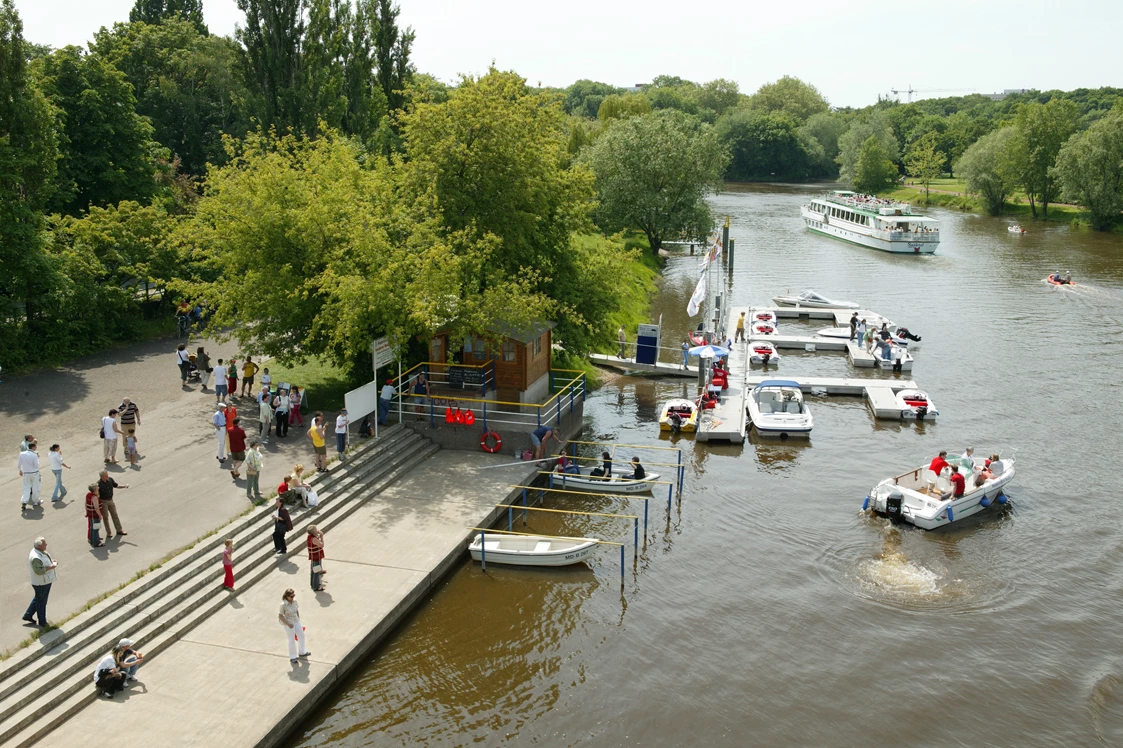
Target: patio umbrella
(708,351)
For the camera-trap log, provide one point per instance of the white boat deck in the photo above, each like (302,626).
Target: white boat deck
(840,316)
(880,394)
(728,421)
(631,367)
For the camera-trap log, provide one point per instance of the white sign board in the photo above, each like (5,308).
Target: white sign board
(383,353)
(362,401)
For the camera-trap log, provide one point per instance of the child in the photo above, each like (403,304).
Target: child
(130,445)
(232,377)
(228,565)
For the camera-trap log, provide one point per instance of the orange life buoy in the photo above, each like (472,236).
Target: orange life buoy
(493,448)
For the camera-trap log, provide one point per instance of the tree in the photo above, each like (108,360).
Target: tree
(874,171)
(791,95)
(960,131)
(924,162)
(392,47)
(186,83)
(762,145)
(850,143)
(820,134)
(272,37)
(718,96)
(653,174)
(622,106)
(583,97)
(1090,169)
(106,147)
(986,167)
(1041,130)
(157,11)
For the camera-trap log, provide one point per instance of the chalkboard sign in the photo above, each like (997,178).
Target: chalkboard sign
(459,376)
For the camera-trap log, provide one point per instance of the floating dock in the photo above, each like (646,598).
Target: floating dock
(729,420)
(880,394)
(858,355)
(629,366)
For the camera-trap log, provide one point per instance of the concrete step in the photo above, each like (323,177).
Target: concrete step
(62,688)
(394,438)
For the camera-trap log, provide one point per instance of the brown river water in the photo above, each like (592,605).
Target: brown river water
(767,610)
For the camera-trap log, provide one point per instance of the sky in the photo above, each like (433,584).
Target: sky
(851,50)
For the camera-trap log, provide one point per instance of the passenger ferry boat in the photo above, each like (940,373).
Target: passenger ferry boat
(872,222)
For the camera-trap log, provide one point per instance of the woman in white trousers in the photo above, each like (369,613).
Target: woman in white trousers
(289,617)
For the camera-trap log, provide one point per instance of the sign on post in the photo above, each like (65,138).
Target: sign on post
(381,355)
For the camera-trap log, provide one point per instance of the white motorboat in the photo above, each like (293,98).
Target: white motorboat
(763,354)
(916,404)
(926,500)
(842,333)
(812,299)
(895,358)
(776,408)
(583,481)
(531,550)
(1015,229)
(761,327)
(765,315)
(901,336)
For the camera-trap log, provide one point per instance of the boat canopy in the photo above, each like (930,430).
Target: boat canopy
(778,383)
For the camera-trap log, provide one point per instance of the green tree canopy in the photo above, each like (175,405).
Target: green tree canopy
(762,145)
(718,96)
(1090,169)
(653,174)
(157,11)
(850,143)
(1041,130)
(106,147)
(820,134)
(792,96)
(874,171)
(622,106)
(986,167)
(583,97)
(924,161)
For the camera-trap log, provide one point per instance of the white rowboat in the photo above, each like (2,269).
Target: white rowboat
(531,550)
(597,484)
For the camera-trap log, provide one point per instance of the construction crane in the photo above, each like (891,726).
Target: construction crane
(910,91)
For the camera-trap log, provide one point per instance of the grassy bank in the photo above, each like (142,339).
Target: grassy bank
(326,384)
(962,200)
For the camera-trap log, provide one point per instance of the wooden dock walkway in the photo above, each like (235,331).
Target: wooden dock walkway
(728,421)
(629,366)
(880,394)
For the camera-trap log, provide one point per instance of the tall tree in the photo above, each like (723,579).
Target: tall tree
(158,11)
(392,47)
(583,97)
(874,171)
(653,174)
(1041,130)
(1090,169)
(622,106)
(326,45)
(187,83)
(28,158)
(762,145)
(106,147)
(874,124)
(823,130)
(273,38)
(800,100)
(986,167)
(924,161)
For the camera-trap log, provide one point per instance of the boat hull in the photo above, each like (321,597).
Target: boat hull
(930,514)
(496,554)
(908,246)
(600,485)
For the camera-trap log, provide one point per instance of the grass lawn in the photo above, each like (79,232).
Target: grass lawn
(325,383)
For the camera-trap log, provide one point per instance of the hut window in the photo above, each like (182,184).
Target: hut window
(538,345)
(508,350)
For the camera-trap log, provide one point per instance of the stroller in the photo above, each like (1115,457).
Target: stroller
(194,376)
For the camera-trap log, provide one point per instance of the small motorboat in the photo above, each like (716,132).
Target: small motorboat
(776,408)
(583,480)
(922,498)
(893,357)
(1015,229)
(1056,280)
(812,299)
(762,328)
(916,404)
(678,415)
(531,550)
(765,315)
(696,338)
(841,333)
(763,354)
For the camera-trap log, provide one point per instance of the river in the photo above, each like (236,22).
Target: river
(767,610)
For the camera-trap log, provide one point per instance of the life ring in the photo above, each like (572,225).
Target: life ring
(494,447)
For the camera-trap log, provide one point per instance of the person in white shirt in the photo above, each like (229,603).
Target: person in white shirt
(41,568)
(28,464)
(219,421)
(385,399)
(107,677)
(109,432)
(55,458)
(282,404)
(266,379)
(341,422)
(220,382)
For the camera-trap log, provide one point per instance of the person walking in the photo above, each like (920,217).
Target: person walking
(28,440)
(42,569)
(421,392)
(237,436)
(228,564)
(54,456)
(385,400)
(740,335)
(183,361)
(254,465)
(220,388)
(110,432)
(319,444)
(203,363)
(219,422)
(316,556)
(130,416)
(264,416)
(622,339)
(105,486)
(249,371)
(93,517)
(232,378)
(289,617)
(282,524)
(297,397)
(28,465)
(341,422)
(282,404)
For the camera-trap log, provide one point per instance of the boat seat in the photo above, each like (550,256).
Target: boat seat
(928,478)
(943,485)
(791,407)
(766,406)
(542,547)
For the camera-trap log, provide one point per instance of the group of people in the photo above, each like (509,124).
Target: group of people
(28,464)
(962,468)
(869,337)
(1066,280)
(565,465)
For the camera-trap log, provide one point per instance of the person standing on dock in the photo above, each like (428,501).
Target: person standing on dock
(622,338)
(861,331)
(685,353)
(854,327)
(740,334)
(289,617)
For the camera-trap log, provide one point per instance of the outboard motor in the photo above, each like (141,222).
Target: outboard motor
(767,356)
(921,411)
(894,505)
(676,422)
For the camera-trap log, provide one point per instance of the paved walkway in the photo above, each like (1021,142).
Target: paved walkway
(177,493)
(230,682)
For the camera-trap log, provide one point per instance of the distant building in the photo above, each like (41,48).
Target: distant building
(1006,92)
(638,88)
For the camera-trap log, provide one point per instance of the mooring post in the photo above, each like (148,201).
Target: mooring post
(483,550)
(679,471)
(621,566)
(524,507)
(645,521)
(635,539)
(510,518)
(725,235)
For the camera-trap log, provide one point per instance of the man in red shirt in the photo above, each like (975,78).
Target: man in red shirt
(957,481)
(939,463)
(237,438)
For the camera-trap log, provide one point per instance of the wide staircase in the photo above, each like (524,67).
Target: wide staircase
(42,685)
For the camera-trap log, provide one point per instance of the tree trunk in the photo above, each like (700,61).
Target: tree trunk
(1032,205)
(655,241)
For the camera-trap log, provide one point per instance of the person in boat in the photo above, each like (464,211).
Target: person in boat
(1068,277)
(605,471)
(939,462)
(969,454)
(638,473)
(1056,277)
(957,482)
(984,475)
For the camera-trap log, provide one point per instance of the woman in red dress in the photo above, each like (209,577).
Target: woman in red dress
(228,565)
(316,556)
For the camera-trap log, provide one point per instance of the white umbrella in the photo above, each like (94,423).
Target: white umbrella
(708,351)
